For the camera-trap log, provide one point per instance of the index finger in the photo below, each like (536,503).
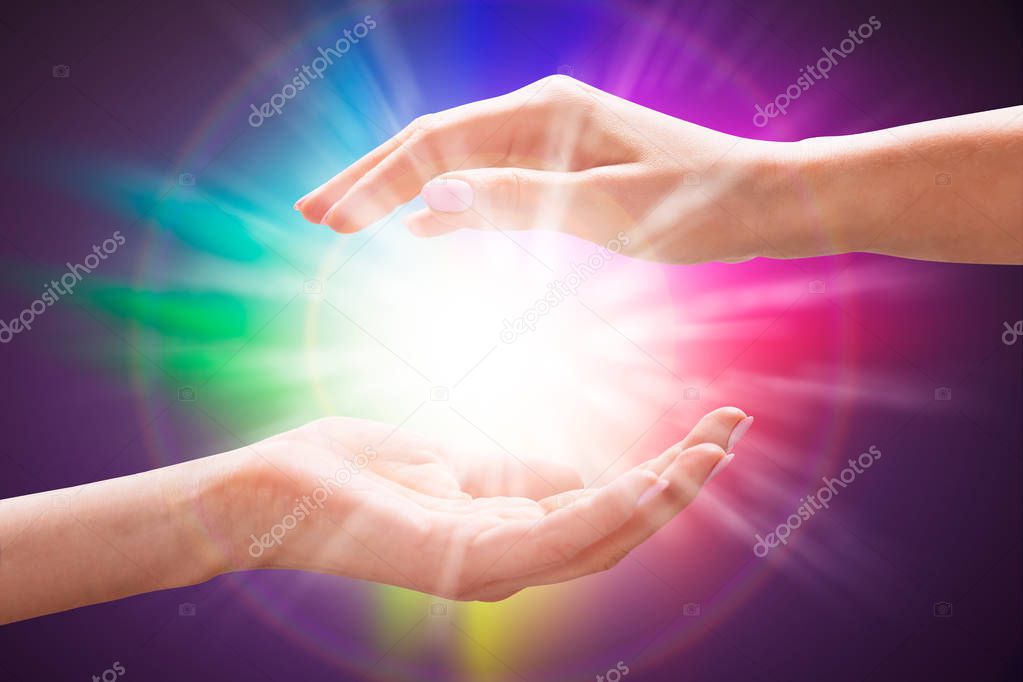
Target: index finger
(441,140)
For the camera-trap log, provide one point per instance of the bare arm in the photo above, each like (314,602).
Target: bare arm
(352,498)
(560,154)
(106,540)
(944,190)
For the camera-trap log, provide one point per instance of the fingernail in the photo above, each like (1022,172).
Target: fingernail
(653,491)
(737,433)
(298,204)
(448,196)
(720,466)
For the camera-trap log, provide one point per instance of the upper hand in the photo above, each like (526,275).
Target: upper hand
(563,155)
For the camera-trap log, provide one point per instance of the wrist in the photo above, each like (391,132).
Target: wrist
(828,198)
(792,190)
(228,498)
(764,193)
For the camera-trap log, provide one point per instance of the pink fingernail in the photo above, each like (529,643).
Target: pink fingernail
(298,204)
(448,196)
(720,466)
(653,491)
(738,432)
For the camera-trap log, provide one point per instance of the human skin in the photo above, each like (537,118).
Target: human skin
(461,524)
(561,154)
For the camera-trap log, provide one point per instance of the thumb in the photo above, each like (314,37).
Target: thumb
(494,198)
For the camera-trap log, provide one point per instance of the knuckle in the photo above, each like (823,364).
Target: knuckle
(611,561)
(507,188)
(421,131)
(422,123)
(602,182)
(561,88)
(554,553)
(728,416)
(558,81)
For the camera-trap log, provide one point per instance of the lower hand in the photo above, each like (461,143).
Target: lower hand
(356,498)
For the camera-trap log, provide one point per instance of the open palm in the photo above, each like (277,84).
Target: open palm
(376,503)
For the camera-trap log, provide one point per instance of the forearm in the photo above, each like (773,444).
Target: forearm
(111,539)
(945,190)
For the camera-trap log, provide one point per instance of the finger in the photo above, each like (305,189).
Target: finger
(718,427)
(462,126)
(677,488)
(534,478)
(681,482)
(715,427)
(317,202)
(563,499)
(494,474)
(398,179)
(462,504)
(432,479)
(514,199)
(519,548)
(425,223)
(474,136)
